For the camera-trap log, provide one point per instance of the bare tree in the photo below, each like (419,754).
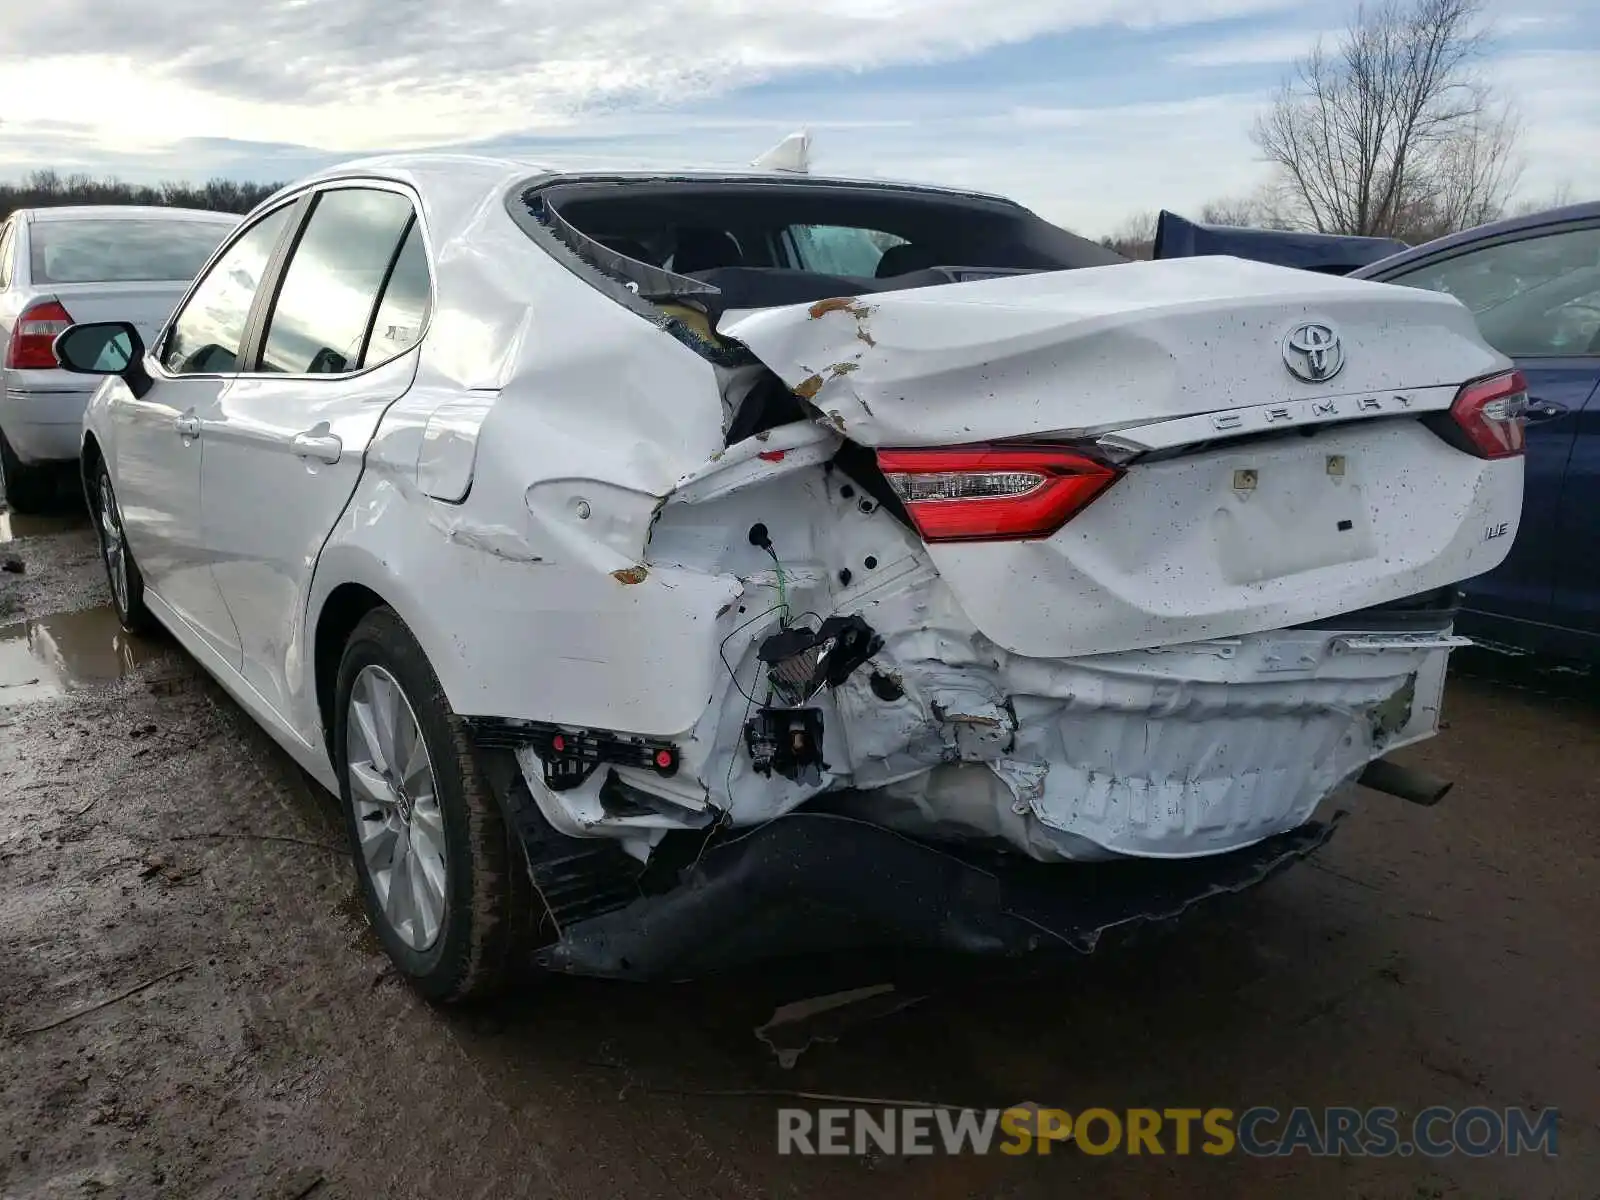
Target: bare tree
(1265,208)
(1394,132)
(1558,197)
(1135,237)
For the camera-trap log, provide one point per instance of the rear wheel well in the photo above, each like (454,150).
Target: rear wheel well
(340,615)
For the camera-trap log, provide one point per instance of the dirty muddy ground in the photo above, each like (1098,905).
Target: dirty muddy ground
(150,835)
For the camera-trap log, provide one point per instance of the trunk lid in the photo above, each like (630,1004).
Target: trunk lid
(1099,348)
(1223,535)
(145,305)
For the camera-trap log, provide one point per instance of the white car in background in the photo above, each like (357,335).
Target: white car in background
(83,263)
(667,569)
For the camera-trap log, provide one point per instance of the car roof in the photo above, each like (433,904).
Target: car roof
(1587,211)
(488,170)
(142,212)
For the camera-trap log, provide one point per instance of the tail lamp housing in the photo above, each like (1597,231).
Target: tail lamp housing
(992,492)
(32,345)
(1488,417)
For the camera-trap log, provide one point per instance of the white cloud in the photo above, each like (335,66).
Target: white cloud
(274,91)
(1557,94)
(354,75)
(1255,50)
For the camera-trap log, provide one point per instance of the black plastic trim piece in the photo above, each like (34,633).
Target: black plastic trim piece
(811,882)
(570,756)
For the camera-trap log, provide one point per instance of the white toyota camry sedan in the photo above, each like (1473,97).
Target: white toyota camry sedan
(666,570)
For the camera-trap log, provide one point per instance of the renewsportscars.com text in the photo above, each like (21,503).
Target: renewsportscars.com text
(1261,1132)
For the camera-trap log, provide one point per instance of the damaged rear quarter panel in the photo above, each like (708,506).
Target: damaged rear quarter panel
(594,416)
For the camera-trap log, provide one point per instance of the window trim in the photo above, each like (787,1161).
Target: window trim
(1427,262)
(155,353)
(383,291)
(303,199)
(8,238)
(256,334)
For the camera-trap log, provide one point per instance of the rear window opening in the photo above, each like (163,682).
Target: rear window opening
(684,251)
(121,249)
(756,243)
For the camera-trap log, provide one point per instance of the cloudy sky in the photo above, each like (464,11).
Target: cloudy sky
(1084,109)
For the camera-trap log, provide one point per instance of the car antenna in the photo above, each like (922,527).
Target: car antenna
(792,155)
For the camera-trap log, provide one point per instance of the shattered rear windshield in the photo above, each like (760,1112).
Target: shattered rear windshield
(755,241)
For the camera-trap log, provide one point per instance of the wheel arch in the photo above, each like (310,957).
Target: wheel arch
(351,579)
(337,619)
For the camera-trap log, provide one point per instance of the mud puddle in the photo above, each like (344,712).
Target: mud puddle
(65,652)
(14,526)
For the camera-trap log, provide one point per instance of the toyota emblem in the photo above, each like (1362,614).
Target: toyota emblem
(1312,352)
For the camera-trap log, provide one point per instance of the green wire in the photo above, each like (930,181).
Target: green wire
(783,589)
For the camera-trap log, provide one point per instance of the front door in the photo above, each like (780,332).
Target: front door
(155,462)
(284,446)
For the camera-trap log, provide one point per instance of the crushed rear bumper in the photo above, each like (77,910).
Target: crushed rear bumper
(815,881)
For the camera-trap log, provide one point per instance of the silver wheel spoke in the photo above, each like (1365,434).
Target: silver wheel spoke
(414,763)
(425,914)
(384,702)
(368,781)
(427,847)
(394,797)
(111,543)
(365,725)
(428,829)
(379,845)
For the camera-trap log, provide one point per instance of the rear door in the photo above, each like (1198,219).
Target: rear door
(285,444)
(1536,297)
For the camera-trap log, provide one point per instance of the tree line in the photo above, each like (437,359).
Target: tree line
(48,189)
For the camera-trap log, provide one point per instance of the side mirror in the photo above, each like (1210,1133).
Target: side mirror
(104,348)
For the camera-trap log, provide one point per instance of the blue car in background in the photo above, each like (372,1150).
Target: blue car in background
(1533,283)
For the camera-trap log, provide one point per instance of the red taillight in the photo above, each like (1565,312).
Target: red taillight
(32,346)
(1492,413)
(994,493)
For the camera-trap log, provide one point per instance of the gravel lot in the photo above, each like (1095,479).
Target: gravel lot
(149,832)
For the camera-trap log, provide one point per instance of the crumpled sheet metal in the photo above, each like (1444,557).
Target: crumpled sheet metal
(815,881)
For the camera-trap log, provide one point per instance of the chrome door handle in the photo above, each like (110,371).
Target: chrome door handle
(324,447)
(188,427)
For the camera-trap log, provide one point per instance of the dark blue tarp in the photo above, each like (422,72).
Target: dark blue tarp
(1335,254)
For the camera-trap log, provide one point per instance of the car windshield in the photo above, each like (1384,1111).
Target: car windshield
(121,249)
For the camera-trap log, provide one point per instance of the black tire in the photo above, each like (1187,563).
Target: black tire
(28,489)
(128,602)
(482,940)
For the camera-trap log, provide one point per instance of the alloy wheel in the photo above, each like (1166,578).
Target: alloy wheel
(398,821)
(112,546)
